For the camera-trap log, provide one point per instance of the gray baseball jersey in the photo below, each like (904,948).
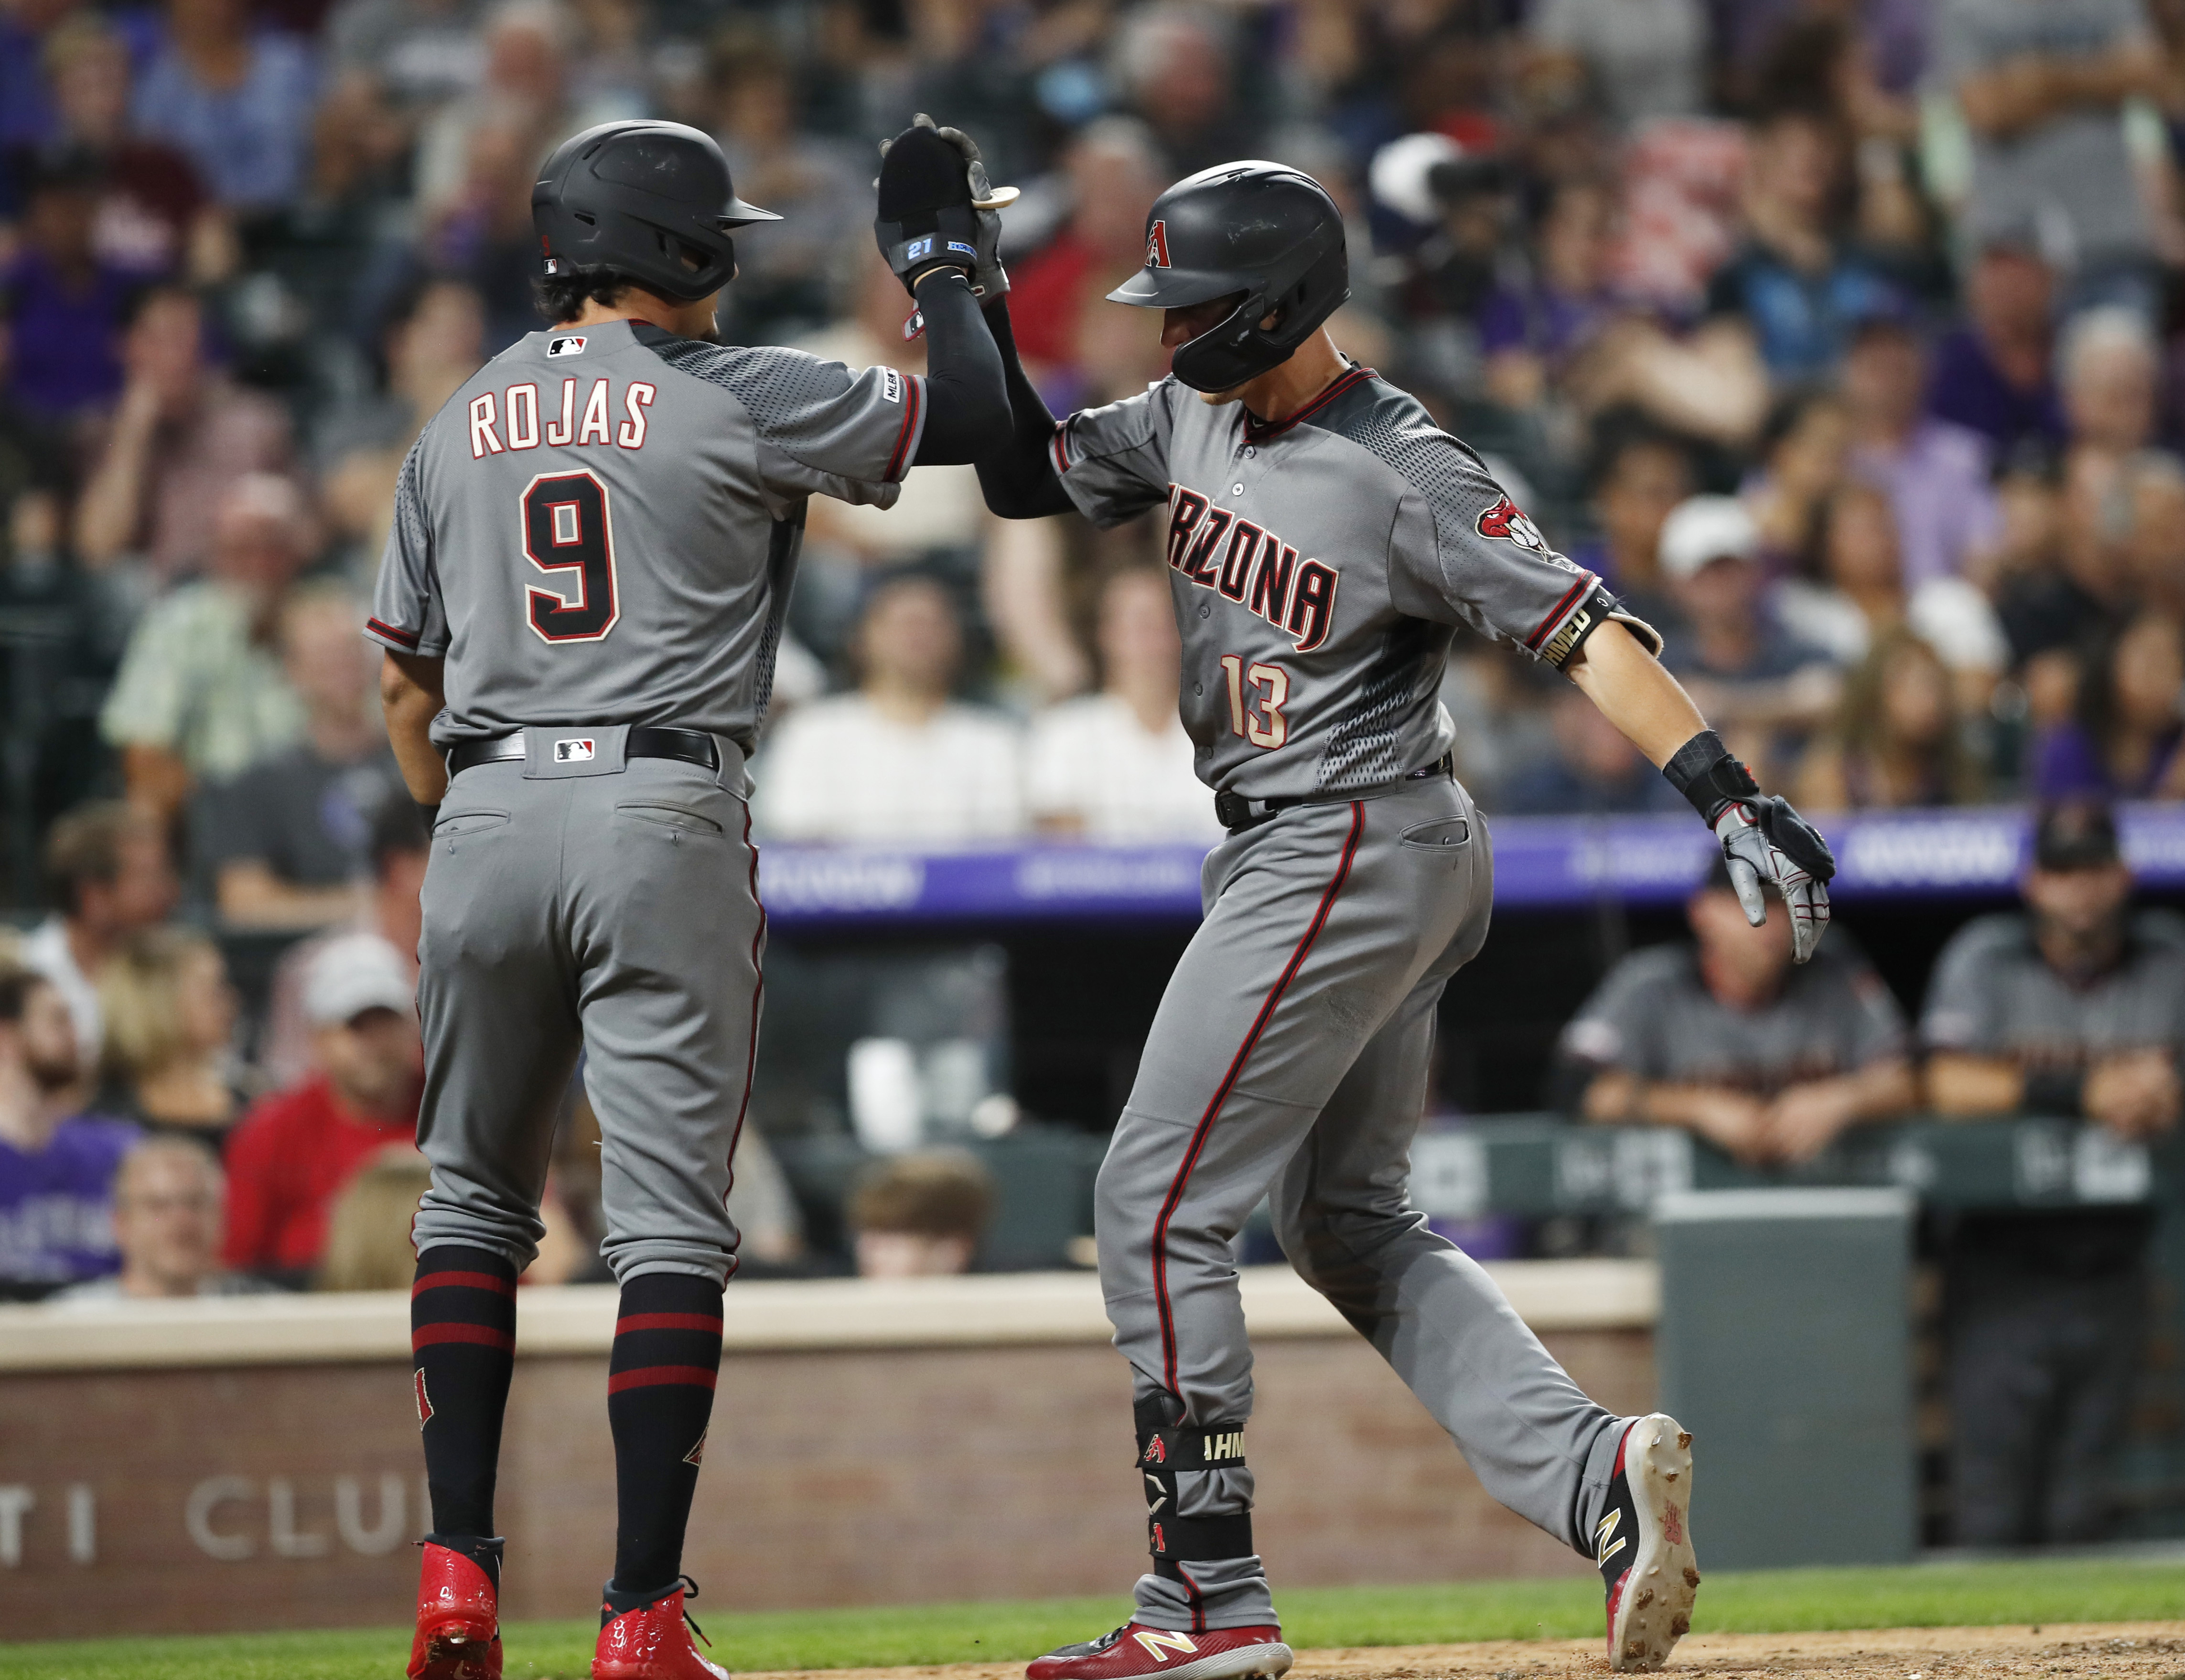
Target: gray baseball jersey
(1319,566)
(1993,995)
(603,526)
(1653,1016)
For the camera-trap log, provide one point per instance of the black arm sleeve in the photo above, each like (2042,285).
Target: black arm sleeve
(967,398)
(1018,476)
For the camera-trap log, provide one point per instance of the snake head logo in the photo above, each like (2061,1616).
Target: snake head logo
(1505,521)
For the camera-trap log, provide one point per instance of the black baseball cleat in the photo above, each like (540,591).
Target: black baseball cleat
(1643,1545)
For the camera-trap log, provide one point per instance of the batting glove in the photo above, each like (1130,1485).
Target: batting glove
(1765,842)
(920,183)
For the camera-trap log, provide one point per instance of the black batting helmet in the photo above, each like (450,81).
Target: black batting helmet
(1264,229)
(651,200)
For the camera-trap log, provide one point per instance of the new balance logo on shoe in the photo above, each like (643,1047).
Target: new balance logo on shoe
(1604,1548)
(1162,1646)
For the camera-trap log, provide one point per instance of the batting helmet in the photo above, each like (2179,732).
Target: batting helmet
(651,200)
(1268,231)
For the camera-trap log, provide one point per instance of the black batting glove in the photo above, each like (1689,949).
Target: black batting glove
(1765,839)
(938,210)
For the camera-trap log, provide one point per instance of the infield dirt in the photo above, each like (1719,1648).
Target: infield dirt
(2141,1650)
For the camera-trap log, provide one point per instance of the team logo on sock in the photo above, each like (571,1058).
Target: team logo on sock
(696,1455)
(424,1400)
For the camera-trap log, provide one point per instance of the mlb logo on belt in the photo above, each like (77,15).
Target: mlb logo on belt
(575,751)
(565,347)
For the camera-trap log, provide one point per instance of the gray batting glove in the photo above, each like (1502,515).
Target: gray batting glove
(1766,841)
(989,279)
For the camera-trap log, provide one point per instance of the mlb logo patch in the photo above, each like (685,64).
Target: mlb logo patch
(576,750)
(565,347)
(891,385)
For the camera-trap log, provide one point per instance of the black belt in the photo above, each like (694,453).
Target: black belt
(1236,813)
(691,746)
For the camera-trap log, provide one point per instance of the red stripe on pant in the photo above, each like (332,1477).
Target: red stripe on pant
(660,1376)
(1228,1083)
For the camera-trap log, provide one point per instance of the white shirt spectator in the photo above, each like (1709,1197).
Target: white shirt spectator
(1950,614)
(840,769)
(1091,767)
(47,951)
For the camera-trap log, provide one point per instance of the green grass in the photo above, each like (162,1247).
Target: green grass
(2104,1589)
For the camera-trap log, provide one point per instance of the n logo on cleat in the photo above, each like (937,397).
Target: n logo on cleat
(1604,1546)
(1160,1647)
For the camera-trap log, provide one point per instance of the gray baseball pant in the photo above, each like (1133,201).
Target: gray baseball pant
(616,908)
(1288,1059)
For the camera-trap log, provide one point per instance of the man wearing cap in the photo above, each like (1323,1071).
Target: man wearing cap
(1743,669)
(294,1151)
(2073,1007)
(1726,1038)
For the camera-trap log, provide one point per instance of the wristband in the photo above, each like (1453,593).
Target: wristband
(2054,1091)
(1708,774)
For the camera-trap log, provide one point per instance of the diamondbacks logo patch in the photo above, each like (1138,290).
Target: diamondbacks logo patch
(1155,1451)
(696,1455)
(1157,245)
(424,1400)
(565,347)
(1503,519)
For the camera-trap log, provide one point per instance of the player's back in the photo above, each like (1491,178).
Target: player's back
(609,517)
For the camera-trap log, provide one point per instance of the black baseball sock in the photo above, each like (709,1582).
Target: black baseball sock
(463,1343)
(660,1395)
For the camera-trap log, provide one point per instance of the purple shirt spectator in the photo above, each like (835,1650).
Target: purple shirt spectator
(1937,483)
(66,342)
(250,141)
(2068,764)
(1544,321)
(56,1206)
(1968,389)
(26,110)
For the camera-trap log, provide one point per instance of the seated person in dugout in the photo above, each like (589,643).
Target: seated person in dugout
(2074,1007)
(1727,1038)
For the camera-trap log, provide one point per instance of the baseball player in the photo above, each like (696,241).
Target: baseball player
(580,604)
(1323,537)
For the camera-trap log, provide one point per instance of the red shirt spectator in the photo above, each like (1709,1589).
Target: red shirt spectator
(293,1151)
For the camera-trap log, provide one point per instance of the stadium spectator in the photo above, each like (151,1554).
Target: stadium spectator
(897,760)
(27,117)
(1935,472)
(1761,684)
(294,1151)
(1795,285)
(920,1216)
(108,878)
(57,1164)
(168,1198)
(201,694)
(169,1062)
(1640,61)
(2155,546)
(1898,740)
(367,1243)
(65,300)
(1864,591)
(1992,375)
(286,844)
(1801,463)
(1175,64)
(400,848)
(423,52)
(1727,1039)
(1640,475)
(155,217)
(2111,368)
(234,98)
(2042,84)
(180,437)
(2075,1007)
(2123,742)
(1117,765)
(1593,770)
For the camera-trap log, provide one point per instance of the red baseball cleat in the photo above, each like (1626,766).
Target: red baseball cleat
(458,1620)
(1643,1545)
(1135,1653)
(652,1642)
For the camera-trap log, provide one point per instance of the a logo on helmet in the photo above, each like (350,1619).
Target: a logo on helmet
(1157,245)
(1503,519)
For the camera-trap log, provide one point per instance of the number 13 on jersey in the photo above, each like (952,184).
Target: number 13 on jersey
(1258,716)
